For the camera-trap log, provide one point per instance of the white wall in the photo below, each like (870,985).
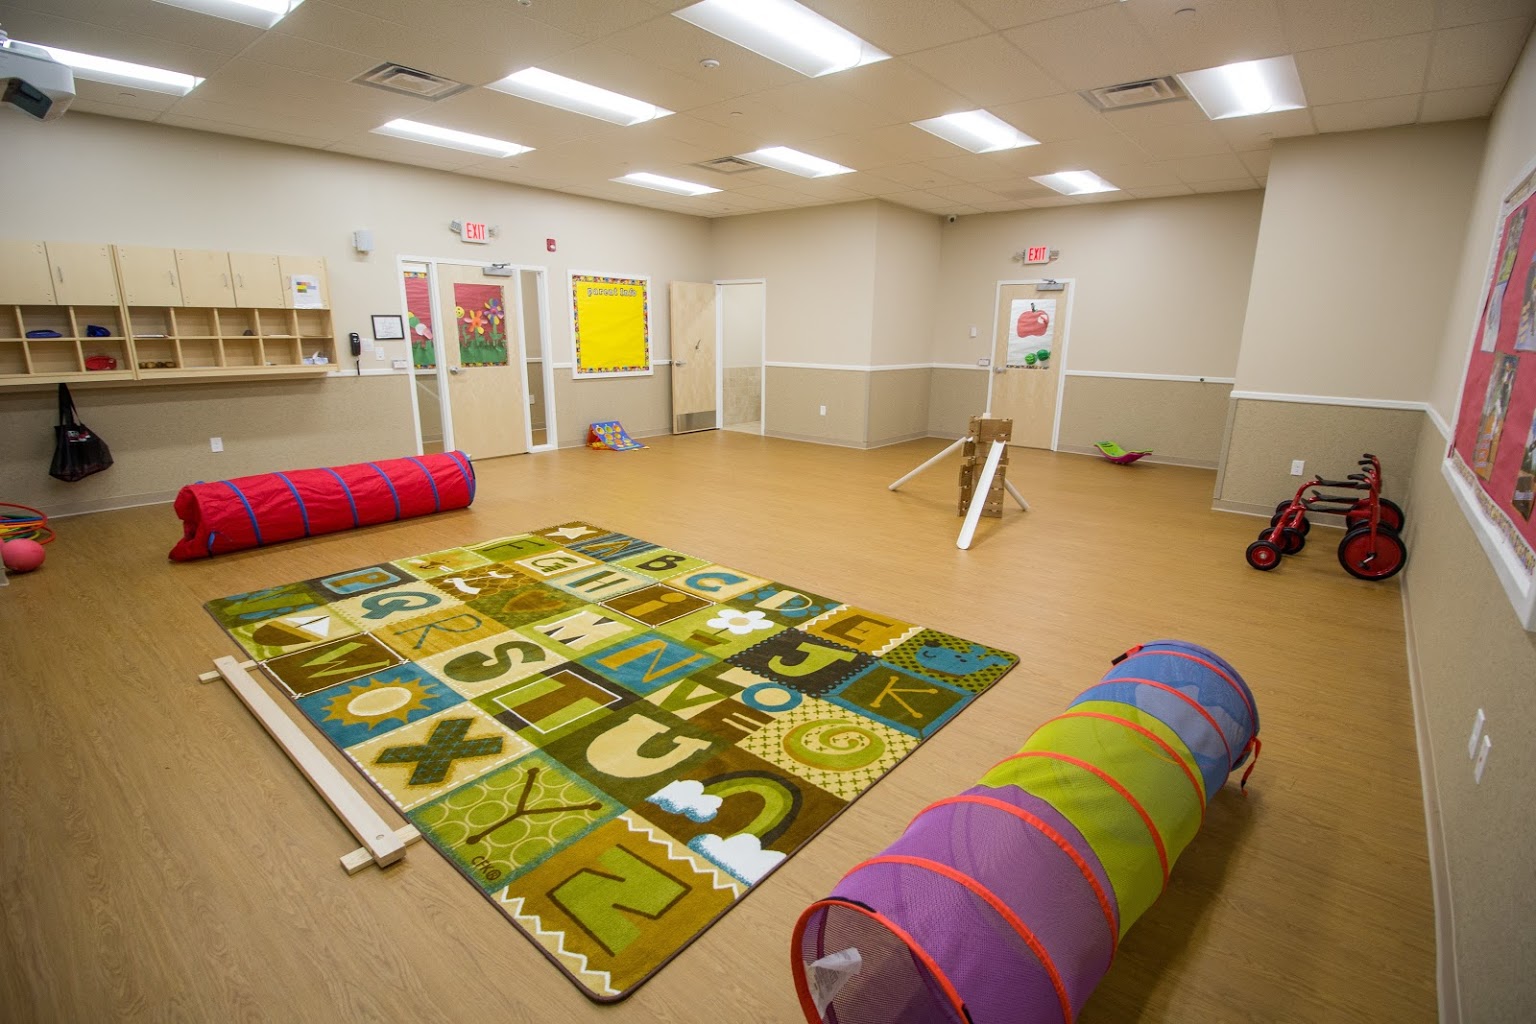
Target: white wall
(1360,244)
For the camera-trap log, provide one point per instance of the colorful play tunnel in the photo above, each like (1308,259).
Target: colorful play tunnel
(1005,904)
(254,511)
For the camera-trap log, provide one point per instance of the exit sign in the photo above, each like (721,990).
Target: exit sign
(1037,254)
(475,231)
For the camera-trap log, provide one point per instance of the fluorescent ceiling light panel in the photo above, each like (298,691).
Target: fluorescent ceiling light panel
(795,162)
(415,131)
(977,131)
(1075,183)
(661,183)
(784,31)
(1247,88)
(578,97)
(256,13)
(121,72)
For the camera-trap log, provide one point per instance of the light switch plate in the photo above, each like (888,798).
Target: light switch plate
(1482,759)
(1477,733)
(215,444)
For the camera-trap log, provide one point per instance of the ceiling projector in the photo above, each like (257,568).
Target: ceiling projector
(32,81)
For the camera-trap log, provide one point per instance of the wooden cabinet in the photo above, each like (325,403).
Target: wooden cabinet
(26,278)
(178,314)
(258,283)
(83,275)
(290,267)
(149,276)
(205,278)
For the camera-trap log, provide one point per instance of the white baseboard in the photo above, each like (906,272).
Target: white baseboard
(1161,460)
(65,509)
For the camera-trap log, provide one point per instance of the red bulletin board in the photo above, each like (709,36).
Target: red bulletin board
(1492,461)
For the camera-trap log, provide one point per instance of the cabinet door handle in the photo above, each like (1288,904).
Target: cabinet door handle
(239,280)
(225,279)
(61,274)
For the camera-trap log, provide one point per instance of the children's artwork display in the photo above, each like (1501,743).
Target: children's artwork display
(418,319)
(481,316)
(1492,462)
(611,325)
(1031,333)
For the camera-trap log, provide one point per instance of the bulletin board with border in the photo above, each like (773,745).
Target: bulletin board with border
(611,326)
(1491,465)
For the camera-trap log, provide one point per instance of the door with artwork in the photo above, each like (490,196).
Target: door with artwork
(485,400)
(695,377)
(1028,347)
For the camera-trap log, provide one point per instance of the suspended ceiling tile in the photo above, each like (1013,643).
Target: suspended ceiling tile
(771,193)
(1003,206)
(1455,104)
(1140,175)
(1363,114)
(172,25)
(1156,115)
(1226,185)
(918,176)
(677,46)
(899,91)
(1260,131)
(970,195)
(507,117)
(1074,154)
(1102,46)
(1257,162)
(617,71)
(296,53)
(1313,24)
(83,105)
(222,127)
(247,83)
(872,184)
(323,126)
(1451,13)
(1002,14)
(1208,168)
(970,167)
(902,26)
(897,144)
(589,19)
(1365,71)
(1161,191)
(107,41)
(987,71)
(822,189)
(715,140)
(1056,118)
(817,101)
(1180,141)
(1216,32)
(1476,54)
(120,96)
(1046,202)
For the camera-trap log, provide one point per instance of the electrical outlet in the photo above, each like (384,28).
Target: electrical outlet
(1297,466)
(823,410)
(215,444)
(983,362)
(1477,733)
(1482,758)
(398,364)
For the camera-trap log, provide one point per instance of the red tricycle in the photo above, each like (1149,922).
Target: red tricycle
(1371,548)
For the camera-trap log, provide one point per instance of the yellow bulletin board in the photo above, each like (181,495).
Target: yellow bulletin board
(611,325)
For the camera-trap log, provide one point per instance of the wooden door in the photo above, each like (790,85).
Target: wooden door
(257,282)
(486,400)
(205,279)
(306,266)
(693,356)
(149,275)
(1029,344)
(26,278)
(82,274)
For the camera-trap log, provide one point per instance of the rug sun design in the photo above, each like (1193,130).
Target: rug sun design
(611,739)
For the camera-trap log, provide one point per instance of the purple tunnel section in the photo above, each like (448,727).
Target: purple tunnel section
(993,907)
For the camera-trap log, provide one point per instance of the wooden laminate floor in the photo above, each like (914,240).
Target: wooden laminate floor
(161,860)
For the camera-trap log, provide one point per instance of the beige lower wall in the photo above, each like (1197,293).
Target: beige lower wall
(1264,436)
(898,405)
(1470,653)
(795,395)
(954,396)
(1180,421)
(159,435)
(743,393)
(642,404)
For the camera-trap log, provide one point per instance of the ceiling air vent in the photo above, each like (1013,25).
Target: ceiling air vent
(1134,94)
(729,165)
(410,82)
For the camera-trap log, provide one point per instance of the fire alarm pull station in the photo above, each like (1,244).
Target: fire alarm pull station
(549,244)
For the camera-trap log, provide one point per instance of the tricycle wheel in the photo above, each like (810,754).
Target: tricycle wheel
(1263,555)
(1372,557)
(1291,541)
(1281,507)
(1391,517)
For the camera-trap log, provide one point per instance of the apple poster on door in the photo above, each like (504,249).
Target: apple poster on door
(1031,333)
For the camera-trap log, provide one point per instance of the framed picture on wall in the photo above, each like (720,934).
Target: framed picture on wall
(1491,465)
(388,327)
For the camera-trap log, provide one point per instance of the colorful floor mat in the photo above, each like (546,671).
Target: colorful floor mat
(612,739)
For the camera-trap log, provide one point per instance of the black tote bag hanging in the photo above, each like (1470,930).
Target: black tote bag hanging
(77,450)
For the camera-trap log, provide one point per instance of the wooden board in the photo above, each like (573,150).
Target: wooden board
(148,275)
(693,356)
(26,279)
(83,274)
(205,279)
(1027,395)
(257,283)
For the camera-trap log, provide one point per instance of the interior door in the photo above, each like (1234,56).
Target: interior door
(1029,343)
(694,373)
(486,400)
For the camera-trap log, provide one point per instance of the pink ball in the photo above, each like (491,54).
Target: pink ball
(22,555)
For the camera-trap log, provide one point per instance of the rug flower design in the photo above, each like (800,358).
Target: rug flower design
(739,623)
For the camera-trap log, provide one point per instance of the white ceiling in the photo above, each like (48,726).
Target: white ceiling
(1363,63)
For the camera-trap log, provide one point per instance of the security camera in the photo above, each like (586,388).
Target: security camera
(32,81)
(952,218)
